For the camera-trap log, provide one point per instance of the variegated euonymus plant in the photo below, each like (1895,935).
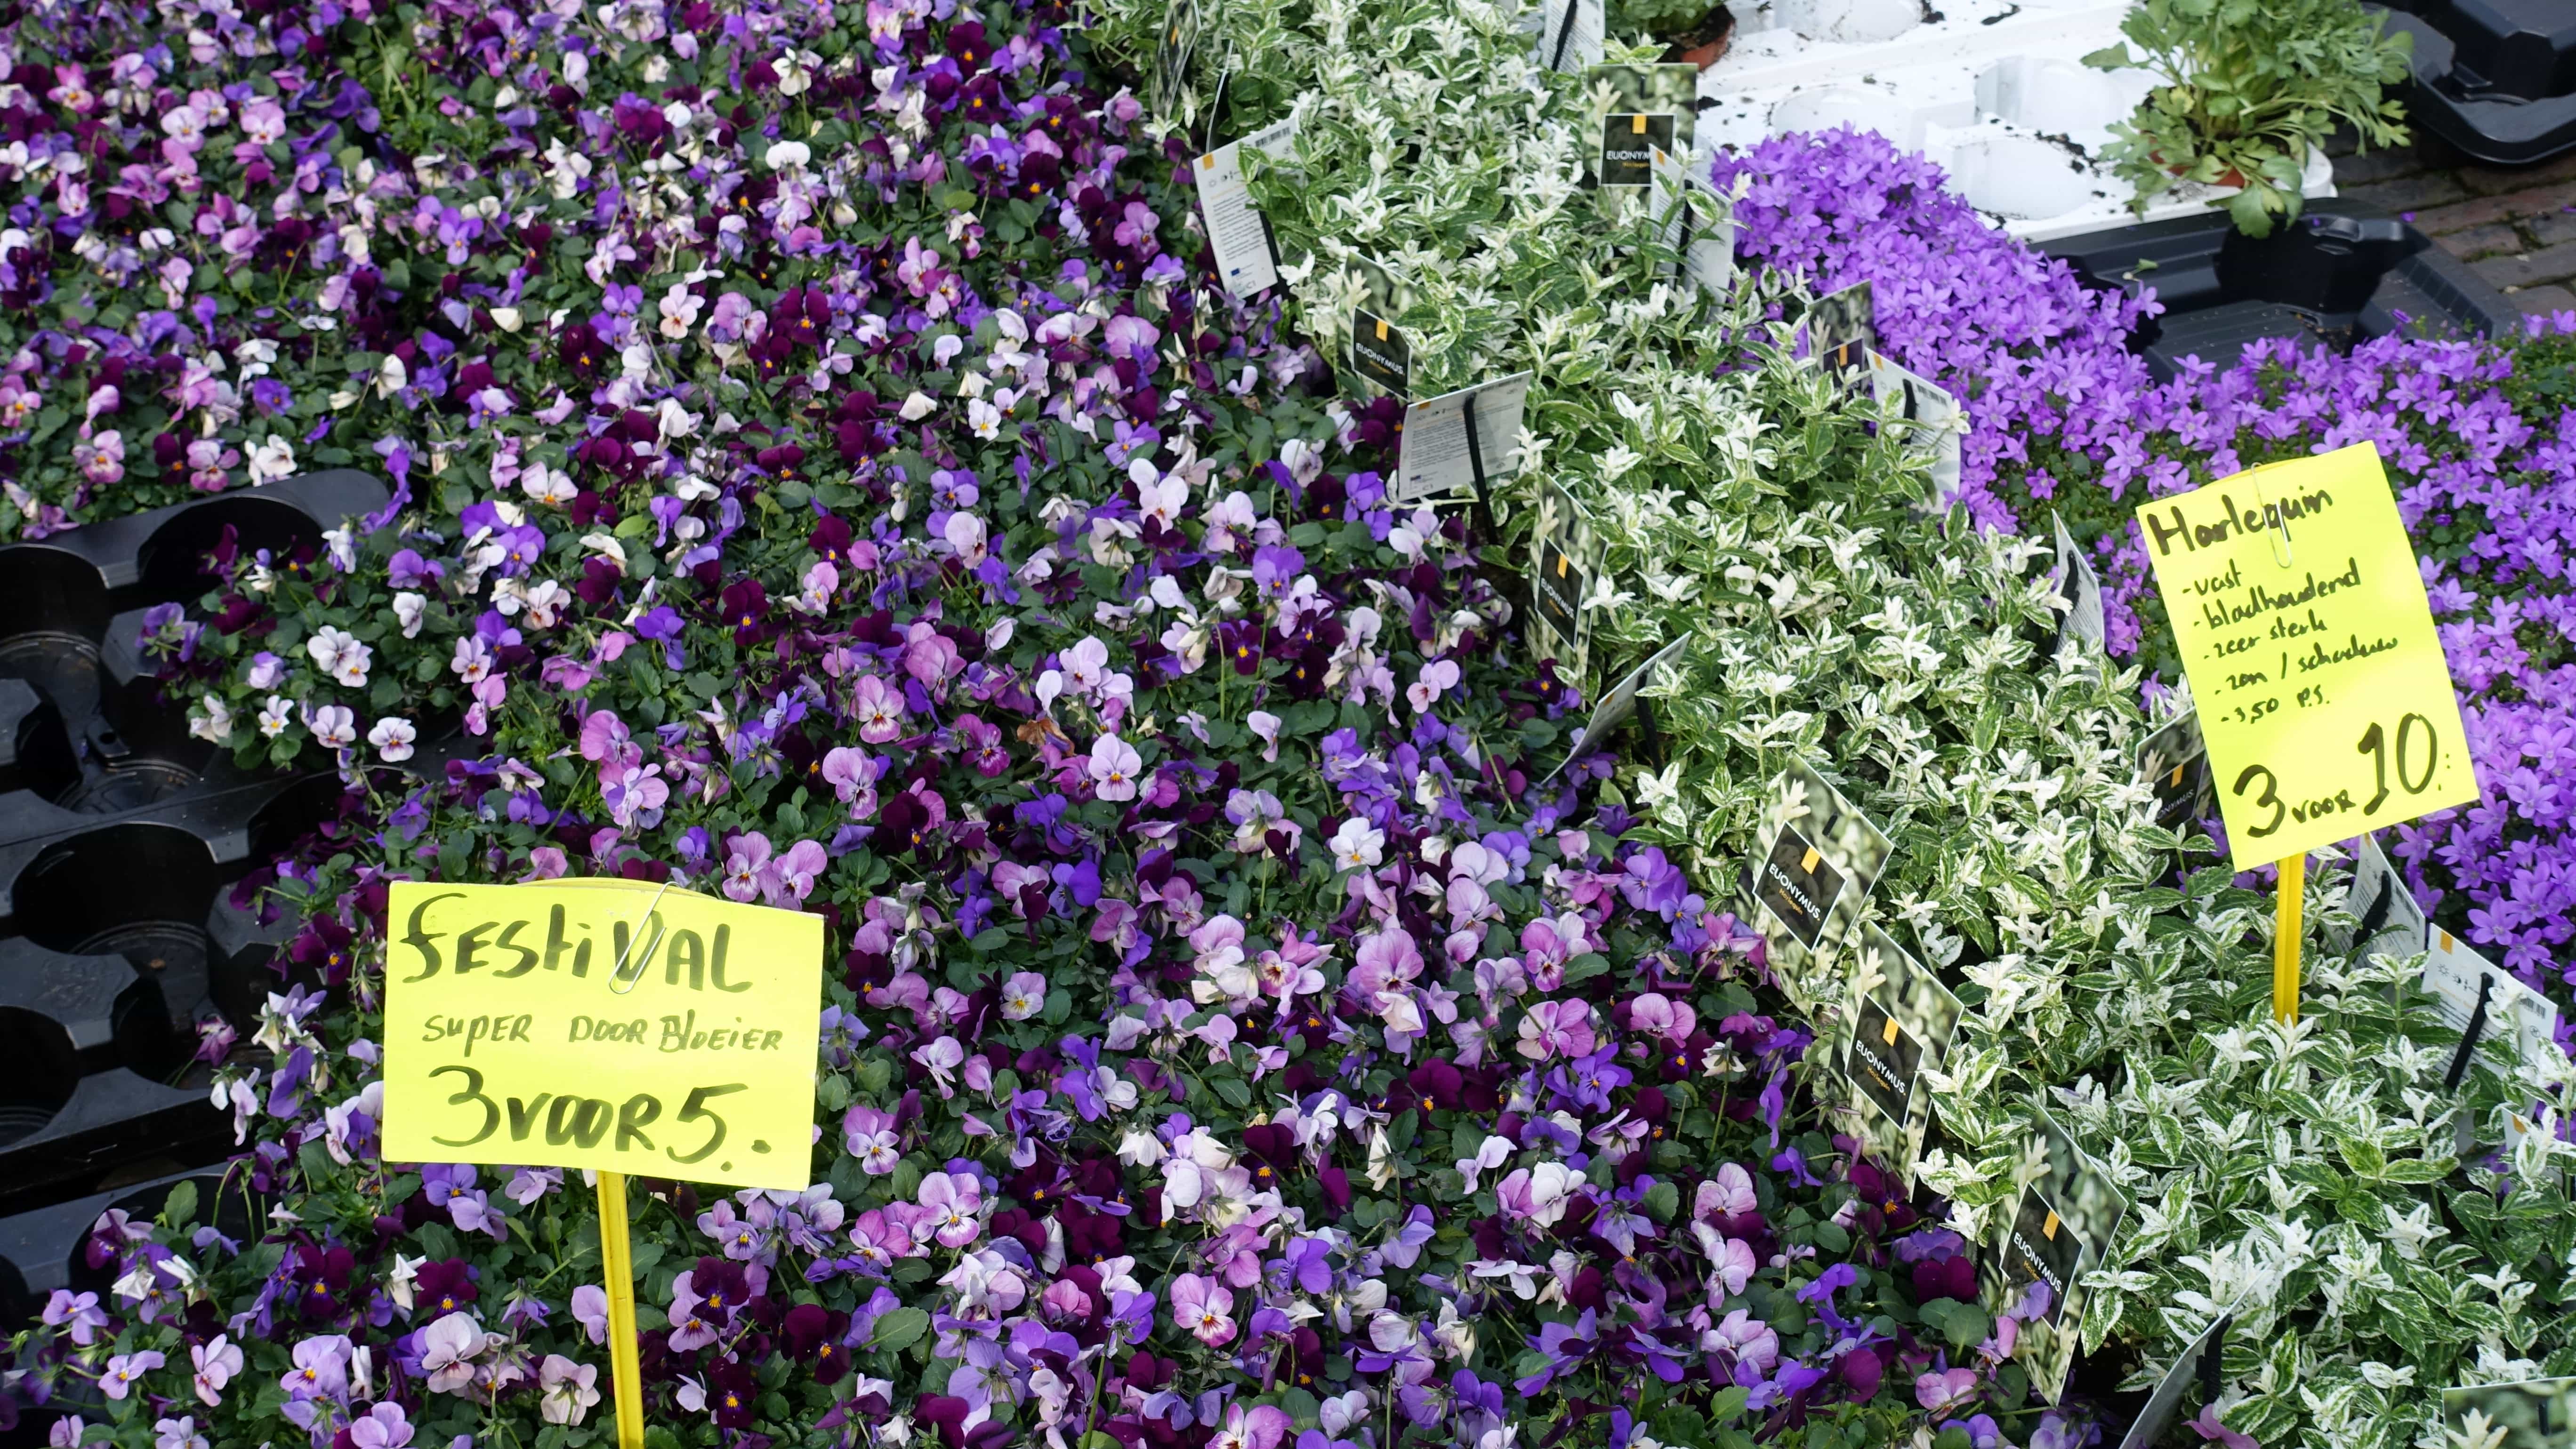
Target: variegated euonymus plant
(2307,1176)
(2302,1175)
(1429,142)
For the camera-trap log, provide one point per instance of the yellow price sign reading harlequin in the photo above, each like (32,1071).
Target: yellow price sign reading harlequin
(613,1025)
(2300,614)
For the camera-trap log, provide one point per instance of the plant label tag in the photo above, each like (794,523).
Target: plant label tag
(1380,352)
(1925,416)
(1842,331)
(1247,257)
(1799,885)
(1461,442)
(2532,1414)
(1642,112)
(2459,979)
(611,1025)
(2061,1228)
(2040,1252)
(2175,763)
(1698,224)
(1631,144)
(2084,627)
(2196,1365)
(2391,919)
(1899,1023)
(1819,858)
(1570,34)
(1618,704)
(2301,619)
(1565,557)
(1174,48)
(1882,1059)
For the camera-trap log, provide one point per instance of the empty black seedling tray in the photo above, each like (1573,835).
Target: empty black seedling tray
(2496,78)
(119,835)
(2338,274)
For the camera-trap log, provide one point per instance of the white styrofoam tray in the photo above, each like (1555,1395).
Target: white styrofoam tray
(1995,92)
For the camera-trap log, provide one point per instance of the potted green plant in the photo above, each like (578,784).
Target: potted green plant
(1693,32)
(2249,90)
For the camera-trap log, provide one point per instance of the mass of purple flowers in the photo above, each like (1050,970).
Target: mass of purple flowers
(2064,418)
(824,477)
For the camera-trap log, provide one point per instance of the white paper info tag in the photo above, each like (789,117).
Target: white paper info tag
(1570,34)
(2456,975)
(1441,457)
(1236,232)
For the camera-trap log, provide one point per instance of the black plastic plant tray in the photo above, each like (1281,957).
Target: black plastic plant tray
(2496,78)
(119,836)
(46,1249)
(42,1249)
(95,744)
(2342,272)
(120,937)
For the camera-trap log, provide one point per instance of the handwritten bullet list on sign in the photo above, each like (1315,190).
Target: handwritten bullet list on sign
(606,1025)
(2301,617)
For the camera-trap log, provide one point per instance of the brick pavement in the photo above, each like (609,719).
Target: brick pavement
(2516,226)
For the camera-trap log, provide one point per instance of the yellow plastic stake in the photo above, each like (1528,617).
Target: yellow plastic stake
(619,1265)
(2285,938)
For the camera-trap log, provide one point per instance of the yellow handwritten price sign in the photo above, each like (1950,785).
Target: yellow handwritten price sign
(514,1035)
(2300,614)
(2324,698)
(606,1024)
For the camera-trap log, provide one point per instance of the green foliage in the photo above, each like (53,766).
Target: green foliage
(2543,381)
(1665,20)
(2249,89)
(1834,617)
(2294,1170)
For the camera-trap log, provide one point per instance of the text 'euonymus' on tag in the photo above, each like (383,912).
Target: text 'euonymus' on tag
(1819,858)
(2058,1228)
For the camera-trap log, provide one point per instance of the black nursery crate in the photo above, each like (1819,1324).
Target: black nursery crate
(47,1249)
(119,835)
(2340,273)
(43,1249)
(2496,78)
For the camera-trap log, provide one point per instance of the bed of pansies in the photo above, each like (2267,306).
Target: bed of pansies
(953,568)
(826,476)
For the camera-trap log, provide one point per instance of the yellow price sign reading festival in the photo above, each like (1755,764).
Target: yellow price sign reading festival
(513,1034)
(603,1024)
(2324,699)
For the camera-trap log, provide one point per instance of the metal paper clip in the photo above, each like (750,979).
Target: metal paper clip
(619,969)
(2283,553)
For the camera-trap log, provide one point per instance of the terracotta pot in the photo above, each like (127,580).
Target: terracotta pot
(1709,53)
(2230,177)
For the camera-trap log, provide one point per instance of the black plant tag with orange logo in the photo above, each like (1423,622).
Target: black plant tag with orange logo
(1799,885)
